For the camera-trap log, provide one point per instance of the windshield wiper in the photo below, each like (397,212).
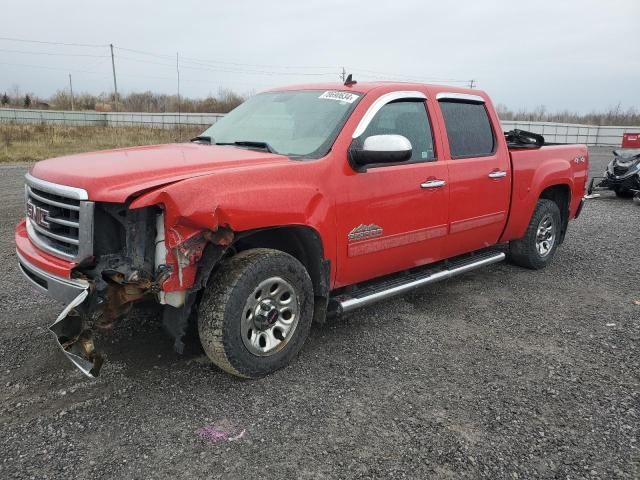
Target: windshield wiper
(251,144)
(202,139)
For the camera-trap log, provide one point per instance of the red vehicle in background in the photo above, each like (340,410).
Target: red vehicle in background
(631,140)
(302,202)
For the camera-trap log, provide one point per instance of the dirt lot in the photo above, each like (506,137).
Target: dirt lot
(501,373)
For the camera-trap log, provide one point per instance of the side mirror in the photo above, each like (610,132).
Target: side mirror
(382,149)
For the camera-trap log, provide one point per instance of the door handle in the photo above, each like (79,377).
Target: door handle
(433,184)
(498,174)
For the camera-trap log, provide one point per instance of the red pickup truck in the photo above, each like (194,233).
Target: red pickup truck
(303,202)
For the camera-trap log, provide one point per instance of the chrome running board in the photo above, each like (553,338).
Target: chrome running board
(401,283)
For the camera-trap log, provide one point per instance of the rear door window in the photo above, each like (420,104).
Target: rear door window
(468,129)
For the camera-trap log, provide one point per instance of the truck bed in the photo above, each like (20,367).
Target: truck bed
(556,164)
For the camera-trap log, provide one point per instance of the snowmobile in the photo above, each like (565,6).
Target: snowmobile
(622,175)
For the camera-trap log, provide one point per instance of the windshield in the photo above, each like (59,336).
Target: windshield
(294,123)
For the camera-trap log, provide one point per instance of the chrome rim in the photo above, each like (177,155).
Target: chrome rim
(270,317)
(545,236)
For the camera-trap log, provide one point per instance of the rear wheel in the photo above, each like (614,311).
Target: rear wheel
(536,249)
(256,314)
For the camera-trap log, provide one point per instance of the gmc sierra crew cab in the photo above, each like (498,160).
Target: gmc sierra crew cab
(303,202)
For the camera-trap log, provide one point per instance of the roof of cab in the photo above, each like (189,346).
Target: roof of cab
(365,87)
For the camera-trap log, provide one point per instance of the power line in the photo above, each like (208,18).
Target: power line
(406,80)
(391,76)
(24,40)
(209,61)
(257,72)
(125,75)
(258,65)
(54,54)
(50,68)
(204,67)
(210,65)
(219,65)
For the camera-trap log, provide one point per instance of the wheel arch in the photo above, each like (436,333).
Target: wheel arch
(301,242)
(560,194)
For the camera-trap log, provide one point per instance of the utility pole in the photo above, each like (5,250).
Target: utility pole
(471,82)
(343,75)
(115,83)
(178,72)
(71,90)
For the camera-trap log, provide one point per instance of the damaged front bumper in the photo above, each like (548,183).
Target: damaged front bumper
(70,327)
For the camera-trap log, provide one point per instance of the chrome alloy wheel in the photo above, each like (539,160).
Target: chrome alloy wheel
(545,236)
(270,317)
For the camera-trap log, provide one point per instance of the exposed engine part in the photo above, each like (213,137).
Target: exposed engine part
(175,299)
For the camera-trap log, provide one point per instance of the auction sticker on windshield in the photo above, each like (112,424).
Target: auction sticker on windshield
(340,96)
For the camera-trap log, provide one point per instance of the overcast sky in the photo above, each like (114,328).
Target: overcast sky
(580,55)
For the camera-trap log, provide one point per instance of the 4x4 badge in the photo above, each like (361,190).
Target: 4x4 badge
(362,232)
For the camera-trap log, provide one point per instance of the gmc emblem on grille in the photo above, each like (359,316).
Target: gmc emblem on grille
(38,215)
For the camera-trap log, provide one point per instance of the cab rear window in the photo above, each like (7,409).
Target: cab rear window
(468,129)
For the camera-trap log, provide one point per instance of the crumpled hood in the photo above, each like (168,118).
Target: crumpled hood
(115,175)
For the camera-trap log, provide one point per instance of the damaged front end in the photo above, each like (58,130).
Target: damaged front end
(133,261)
(74,338)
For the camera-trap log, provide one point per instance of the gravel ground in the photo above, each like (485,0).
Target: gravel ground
(500,373)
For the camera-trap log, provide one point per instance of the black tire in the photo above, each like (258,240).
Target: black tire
(623,193)
(225,302)
(524,252)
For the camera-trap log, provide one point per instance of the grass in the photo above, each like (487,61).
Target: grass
(29,143)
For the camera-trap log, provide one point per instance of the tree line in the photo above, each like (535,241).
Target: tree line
(226,100)
(611,116)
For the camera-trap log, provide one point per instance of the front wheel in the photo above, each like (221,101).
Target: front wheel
(256,314)
(536,249)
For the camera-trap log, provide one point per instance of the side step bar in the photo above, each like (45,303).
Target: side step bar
(403,283)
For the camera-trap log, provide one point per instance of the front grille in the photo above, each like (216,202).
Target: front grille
(59,219)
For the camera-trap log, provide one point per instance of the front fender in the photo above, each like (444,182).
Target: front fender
(233,202)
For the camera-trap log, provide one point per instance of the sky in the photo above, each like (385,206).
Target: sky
(577,55)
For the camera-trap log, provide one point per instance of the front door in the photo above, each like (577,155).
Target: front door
(393,217)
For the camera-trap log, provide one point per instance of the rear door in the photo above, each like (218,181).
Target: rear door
(479,174)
